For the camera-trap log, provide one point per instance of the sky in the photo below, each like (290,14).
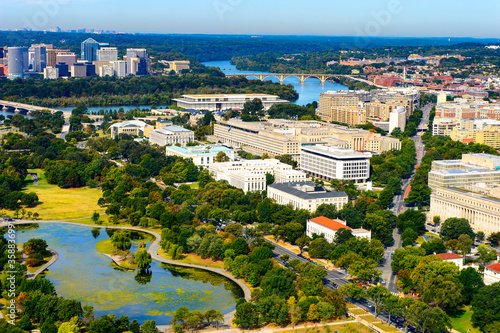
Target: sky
(373,18)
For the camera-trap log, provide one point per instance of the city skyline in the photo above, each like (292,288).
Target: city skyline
(375,18)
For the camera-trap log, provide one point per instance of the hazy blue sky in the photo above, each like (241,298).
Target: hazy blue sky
(426,18)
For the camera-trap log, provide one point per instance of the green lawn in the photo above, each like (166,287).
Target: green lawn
(194,259)
(62,204)
(385,327)
(35,268)
(462,321)
(105,246)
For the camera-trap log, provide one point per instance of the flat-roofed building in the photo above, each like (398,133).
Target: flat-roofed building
(328,228)
(216,102)
(68,58)
(357,107)
(305,195)
(250,175)
(107,54)
(160,123)
(171,135)
(471,169)
(179,65)
(201,155)
(50,73)
(132,127)
(328,163)
(278,137)
(481,210)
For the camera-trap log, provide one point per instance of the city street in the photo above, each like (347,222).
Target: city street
(399,205)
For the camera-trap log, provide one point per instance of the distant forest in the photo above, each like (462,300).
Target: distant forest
(219,47)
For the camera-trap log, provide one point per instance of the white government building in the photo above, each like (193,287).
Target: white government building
(305,195)
(214,102)
(329,162)
(250,175)
(171,135)
(201,155)
(492,274)
(328,228)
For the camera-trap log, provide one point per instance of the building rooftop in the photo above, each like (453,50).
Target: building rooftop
(130,123)
(333,151)
(329,223)
(306,190)
(448,256)
(169,130)
(228,95)
(495,267)
(213,150)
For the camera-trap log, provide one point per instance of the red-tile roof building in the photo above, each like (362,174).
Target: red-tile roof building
(327,227)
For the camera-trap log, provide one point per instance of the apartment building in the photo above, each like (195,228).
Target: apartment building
(250,175)
(305,195)
(328,162)
(463,108)
(359,107)
(278,137)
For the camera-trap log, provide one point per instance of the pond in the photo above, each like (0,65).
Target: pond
(86,275)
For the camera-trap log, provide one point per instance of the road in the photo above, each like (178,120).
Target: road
(333,280)
(399,206)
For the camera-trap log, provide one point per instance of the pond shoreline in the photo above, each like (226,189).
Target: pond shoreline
(152,249)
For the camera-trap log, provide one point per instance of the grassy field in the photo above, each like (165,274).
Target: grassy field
(386,327)
(320,328)
(358,311)
(194,259)
(62,204)
(462,321)
(106,247)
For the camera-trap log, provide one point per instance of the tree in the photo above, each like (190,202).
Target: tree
(221,157)
(396,132)
(121,240)
(294,310)
(486,254)
(269,179)
(377,295)
(385,197)
(142,258)
(390,303)
(342,236)
(486,306)
(465,244)
(149,326)
(312,314)
(352,291)
(302,242)
(494,238)
(319,248)
(213,316)
(480,235)
(246,316)
(95,217)
(68,327)
(453,227)
(434,246)
(381,229)
(285,257)
(471,281)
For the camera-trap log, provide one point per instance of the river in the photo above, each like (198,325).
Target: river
(84,274)
(308,91)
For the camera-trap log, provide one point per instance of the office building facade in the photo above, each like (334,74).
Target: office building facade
(216,102)
(134,63)
(18,62)
(203,156)
(89,50)
(68,58)
(328,228)
(107,54)
(328,163)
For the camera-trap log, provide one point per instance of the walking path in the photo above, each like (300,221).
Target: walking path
(55,256)
(153,250)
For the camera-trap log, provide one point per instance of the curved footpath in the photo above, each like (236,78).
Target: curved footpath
(52,260)
(153,250)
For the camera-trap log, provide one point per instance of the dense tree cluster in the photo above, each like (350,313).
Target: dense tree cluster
(102,91)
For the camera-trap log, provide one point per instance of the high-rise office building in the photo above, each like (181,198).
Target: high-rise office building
(132,68)
(107,54)
(119,67)
(1,52)
(63,69)
(18,62)
(89,49)
(66,57)
(52,56)
(39,59)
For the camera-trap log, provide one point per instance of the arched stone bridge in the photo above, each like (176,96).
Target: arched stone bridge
(303,77)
